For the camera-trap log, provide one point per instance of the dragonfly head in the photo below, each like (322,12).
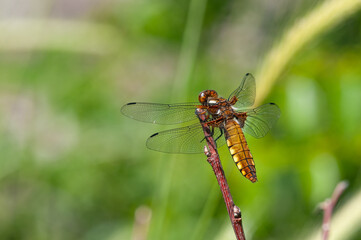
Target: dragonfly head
(204,95)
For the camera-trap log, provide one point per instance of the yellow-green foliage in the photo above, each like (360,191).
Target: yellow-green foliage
(72,167)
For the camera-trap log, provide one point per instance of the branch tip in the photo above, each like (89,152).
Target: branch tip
(328,205)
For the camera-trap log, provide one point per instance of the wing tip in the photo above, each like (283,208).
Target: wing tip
(155,134)
(123,109)
(275,105)
(248,74)
(278,108)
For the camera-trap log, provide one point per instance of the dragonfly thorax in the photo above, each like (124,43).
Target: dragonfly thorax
(220,107)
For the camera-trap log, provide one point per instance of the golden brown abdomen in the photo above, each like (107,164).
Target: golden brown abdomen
(239,150)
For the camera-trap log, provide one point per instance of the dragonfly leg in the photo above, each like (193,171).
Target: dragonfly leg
(219,135)
(233,100)
(212,133)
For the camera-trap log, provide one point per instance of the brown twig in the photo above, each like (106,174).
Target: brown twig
(327,207)
(213,158)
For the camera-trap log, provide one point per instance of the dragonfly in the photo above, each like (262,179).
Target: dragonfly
(229,117)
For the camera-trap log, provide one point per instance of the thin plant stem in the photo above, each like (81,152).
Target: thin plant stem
(206,215)
(184,70)
(207,212)
(345,222)
(189,48)
(328,206)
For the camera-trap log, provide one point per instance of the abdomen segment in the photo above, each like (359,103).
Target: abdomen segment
(239,150)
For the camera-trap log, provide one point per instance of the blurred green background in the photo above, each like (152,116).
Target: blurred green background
(72,167)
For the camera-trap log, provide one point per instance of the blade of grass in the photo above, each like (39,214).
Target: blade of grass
(320,19)
(184,70)
(208,210)
(189,47)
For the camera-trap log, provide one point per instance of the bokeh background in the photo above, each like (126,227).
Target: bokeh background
(72,167)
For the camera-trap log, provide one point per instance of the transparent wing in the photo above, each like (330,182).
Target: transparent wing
(260,120)
(245,93)
(188,139)
(160,113)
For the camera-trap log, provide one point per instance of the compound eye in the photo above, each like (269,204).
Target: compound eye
(202,97)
